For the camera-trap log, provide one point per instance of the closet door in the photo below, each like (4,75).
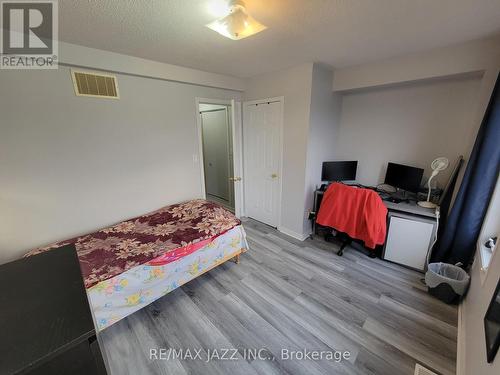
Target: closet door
(262,158)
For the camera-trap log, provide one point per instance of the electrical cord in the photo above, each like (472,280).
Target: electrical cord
(437,212)
(435,238)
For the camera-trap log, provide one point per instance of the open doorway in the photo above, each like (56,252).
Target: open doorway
(218,155)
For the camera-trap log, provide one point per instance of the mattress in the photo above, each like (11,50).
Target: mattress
(130,291)
(165,235)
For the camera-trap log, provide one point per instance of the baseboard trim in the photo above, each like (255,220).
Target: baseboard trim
(291,233)
(461,340)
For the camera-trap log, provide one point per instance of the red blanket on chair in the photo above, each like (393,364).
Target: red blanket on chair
(358,212)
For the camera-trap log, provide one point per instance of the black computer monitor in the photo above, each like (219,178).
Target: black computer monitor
(339,171)
(403,177)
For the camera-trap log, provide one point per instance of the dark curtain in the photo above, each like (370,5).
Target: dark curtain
(460,234)
(445,203)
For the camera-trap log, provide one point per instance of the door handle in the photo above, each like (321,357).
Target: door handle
(234,179)
(274,175)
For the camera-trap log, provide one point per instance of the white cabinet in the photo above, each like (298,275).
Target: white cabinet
(408,239)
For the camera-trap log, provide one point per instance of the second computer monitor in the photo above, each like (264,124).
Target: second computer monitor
(403,177)
(339,171)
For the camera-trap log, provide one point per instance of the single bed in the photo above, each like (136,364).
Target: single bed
(133,263)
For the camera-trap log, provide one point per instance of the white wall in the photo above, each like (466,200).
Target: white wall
(295,85)
(324,123)
(409,124)
(472,357)
(115,62)
(473,56)
(311,121)
(69,165)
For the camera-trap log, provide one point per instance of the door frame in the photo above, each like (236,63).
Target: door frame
(237,147)
(280,99)
(226,111)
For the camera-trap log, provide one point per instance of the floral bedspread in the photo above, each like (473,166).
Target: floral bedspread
(115,298)
(114,250)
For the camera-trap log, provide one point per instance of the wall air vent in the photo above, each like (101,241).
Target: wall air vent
(96,85)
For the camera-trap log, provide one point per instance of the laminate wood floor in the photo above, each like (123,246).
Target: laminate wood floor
(292,295)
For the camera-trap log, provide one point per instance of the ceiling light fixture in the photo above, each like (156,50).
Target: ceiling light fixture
(238,24)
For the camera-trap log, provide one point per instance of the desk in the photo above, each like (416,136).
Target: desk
(411,229)
(411,208)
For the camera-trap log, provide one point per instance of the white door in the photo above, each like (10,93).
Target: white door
(237,157)
(262,159)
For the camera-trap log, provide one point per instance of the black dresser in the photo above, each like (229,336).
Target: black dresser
(45,319)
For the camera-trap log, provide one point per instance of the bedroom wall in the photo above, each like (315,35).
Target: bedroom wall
(324,123)
(473,56)
(76,55)
(472,356)
(69,165)
(409,124)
